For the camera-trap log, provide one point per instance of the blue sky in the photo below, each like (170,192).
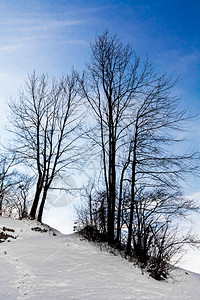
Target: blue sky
(52,36)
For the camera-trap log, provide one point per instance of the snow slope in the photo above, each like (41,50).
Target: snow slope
(39,265)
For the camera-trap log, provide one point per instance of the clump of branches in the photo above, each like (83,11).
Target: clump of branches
(92,215)
(156,238)
(14,189)
(157,241)
(20,199)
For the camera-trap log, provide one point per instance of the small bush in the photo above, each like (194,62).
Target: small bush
(91,233)
(4,236)
(39,229)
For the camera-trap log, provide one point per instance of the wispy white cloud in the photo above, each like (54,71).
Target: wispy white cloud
(179,61)
(16,34)
(20,44)
(52,25)
(9,48)
(36,24)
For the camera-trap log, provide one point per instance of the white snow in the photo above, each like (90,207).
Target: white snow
(39,265)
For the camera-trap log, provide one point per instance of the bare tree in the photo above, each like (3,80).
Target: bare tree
(155,213)
(158,123)
(20,200)
(45,119)
(8,179)
(14,188)
(138,123)
(111,85)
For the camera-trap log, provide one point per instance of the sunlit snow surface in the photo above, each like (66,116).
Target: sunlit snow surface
(42,266)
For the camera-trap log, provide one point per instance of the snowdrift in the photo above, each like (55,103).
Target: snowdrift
(38,262)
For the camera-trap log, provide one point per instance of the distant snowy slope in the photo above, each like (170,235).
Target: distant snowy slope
(39,265)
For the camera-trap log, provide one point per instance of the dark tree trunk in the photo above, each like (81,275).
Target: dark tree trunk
(130,228)
(90,203)
(113,188)
(1,200)
(118,238)
(112,177)
(36,199)
(42,204)
(128,248)
(35,205)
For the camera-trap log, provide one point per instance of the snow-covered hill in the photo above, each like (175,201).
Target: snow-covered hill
(40,263)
